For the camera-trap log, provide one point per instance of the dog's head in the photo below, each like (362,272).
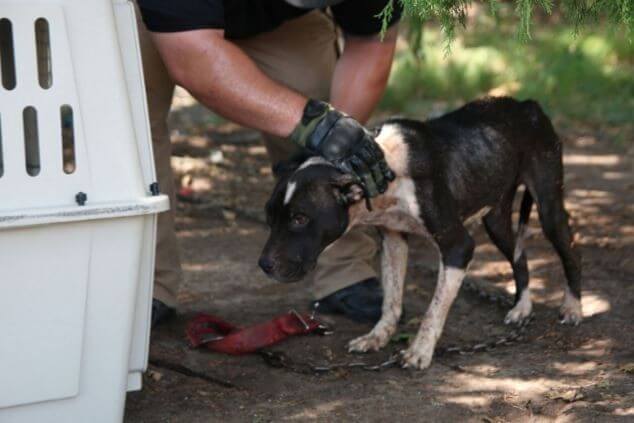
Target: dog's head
(307,211)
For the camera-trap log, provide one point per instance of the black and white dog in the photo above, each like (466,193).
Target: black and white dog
(465,165)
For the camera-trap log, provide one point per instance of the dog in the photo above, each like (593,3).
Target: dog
(463,166)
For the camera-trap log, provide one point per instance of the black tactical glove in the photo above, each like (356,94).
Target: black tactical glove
(345,143)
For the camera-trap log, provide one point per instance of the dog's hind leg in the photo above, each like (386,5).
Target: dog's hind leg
(393,267)
(544,177)
(545,181)
(555,225)
(499,226)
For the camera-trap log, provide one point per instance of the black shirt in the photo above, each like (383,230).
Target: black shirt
(245,18)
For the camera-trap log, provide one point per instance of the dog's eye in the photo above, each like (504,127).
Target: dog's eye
(299,220)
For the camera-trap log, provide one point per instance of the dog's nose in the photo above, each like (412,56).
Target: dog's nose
(266,264)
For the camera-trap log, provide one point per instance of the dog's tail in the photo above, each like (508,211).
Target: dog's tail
(525,214)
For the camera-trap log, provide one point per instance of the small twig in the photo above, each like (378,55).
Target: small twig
(186,371)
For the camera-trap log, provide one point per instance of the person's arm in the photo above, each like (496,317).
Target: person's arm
(362,72)
(222,77)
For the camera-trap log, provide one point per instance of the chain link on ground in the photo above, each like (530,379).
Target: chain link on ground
(280,359)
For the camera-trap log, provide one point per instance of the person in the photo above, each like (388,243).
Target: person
(275,66)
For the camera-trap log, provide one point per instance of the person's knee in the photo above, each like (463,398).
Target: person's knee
(359,243)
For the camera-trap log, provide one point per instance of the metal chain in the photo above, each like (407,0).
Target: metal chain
(503,301)
(498,298)
(279,359)
(514,336)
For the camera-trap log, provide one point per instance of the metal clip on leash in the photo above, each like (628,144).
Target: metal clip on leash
(323,329)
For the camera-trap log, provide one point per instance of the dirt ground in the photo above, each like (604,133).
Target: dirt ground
(555,373)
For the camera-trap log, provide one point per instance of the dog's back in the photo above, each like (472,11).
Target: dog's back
(481,150)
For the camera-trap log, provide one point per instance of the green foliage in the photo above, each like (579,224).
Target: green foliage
(453,13)
(386,16)
(585,80)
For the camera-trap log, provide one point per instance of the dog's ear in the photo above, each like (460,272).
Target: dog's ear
(347,188)
(285,168)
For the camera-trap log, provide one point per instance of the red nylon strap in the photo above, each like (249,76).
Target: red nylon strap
(221,336)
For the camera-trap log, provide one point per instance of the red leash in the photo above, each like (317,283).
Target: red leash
(221,336)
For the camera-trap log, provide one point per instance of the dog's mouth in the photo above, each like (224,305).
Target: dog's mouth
(287,278)
(293,275)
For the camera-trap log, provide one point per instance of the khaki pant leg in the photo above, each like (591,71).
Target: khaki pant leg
(301,55)
(159,89)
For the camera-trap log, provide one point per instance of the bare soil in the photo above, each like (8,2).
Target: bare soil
(555,373)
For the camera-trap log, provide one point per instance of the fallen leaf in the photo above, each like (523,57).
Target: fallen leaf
(229,215)
(565,394)
(329,354)
(627,368)
(415,321)
(216,156)
(154,375)
(402,337)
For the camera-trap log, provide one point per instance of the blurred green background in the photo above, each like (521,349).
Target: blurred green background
(584,79)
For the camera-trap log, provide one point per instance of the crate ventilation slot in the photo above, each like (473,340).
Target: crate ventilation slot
(7,55)
(43,45)
(31,141)
(68,138)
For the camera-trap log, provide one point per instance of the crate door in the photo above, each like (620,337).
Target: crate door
(43,164)
(43,158)
(43,283)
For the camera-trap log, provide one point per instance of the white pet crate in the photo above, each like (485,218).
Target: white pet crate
(78,207)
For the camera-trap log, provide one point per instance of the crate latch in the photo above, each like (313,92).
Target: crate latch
(154,189)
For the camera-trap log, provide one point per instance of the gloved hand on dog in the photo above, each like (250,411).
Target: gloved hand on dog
(345,143)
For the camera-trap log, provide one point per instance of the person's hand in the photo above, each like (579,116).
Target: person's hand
(345,143)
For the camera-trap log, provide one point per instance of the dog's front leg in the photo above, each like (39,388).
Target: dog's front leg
(393,268)
(421,350)
(451,271)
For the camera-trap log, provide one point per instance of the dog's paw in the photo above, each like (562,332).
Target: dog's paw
(417,356)
(517,315)
(521,311)
(369,342)
(570,312)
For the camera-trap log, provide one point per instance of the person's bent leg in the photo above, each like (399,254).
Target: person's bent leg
(348,260)
(159,89)
(301,54)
